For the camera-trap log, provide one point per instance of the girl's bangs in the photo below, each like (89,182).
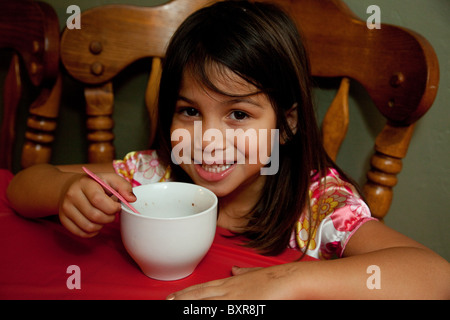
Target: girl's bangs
(207,70)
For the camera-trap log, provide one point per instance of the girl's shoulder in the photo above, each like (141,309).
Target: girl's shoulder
(336,212)
(142,167)
(332,180)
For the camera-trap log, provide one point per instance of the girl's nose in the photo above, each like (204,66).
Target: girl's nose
(210,139)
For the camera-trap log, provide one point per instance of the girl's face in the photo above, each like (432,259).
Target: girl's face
(223,147)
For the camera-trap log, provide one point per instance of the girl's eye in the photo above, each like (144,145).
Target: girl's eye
(238,115)
(189,111)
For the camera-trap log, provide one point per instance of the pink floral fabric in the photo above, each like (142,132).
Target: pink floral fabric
(336,207)
(337,210)
(142,167)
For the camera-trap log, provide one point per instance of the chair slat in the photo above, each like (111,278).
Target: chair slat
(99,109)
(336,120)
(151,96)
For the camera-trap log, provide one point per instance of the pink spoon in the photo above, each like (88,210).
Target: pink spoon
(107,187)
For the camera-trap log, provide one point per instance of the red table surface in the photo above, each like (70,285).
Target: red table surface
(35,255)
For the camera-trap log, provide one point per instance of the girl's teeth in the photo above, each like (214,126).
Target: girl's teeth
(215,168)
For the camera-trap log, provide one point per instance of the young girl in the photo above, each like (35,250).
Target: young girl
(239,66)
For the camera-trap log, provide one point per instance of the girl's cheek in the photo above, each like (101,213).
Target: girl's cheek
(181,146)
(252,146)
(265,147)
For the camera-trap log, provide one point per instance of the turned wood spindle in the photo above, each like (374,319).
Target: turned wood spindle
(99,109)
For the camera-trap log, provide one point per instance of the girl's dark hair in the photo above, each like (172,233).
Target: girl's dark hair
(261,44)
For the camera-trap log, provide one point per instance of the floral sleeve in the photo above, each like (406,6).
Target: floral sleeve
(337,210)
(142,167)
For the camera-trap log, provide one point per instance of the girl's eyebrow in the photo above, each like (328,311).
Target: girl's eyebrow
(180,97)
(233,100)
(243,100)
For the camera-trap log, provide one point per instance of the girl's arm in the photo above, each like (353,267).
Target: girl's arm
(404,269)
(378,255)
(82,204)
(36,191)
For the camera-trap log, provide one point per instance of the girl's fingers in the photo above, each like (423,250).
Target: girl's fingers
(98,213)
(90,196)
(77,225)
(86,206)
(88,215)
(98,206)
(122,186)
(200,291)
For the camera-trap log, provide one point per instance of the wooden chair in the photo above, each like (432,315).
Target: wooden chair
(31,30)
(396,66)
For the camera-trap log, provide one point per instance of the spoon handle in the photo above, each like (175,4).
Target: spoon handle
(109,188)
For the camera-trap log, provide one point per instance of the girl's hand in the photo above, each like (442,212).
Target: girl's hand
(245,284)
(84,206)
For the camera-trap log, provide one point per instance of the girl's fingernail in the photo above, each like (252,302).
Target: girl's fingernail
(170,297)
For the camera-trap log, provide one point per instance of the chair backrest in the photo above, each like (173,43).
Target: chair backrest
(396,66)
(31,30)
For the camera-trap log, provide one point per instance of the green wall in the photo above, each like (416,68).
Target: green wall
(419,207)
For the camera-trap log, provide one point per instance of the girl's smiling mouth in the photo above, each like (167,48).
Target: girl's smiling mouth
(214,172)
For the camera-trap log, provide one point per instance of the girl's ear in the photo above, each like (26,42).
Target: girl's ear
(291,118)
